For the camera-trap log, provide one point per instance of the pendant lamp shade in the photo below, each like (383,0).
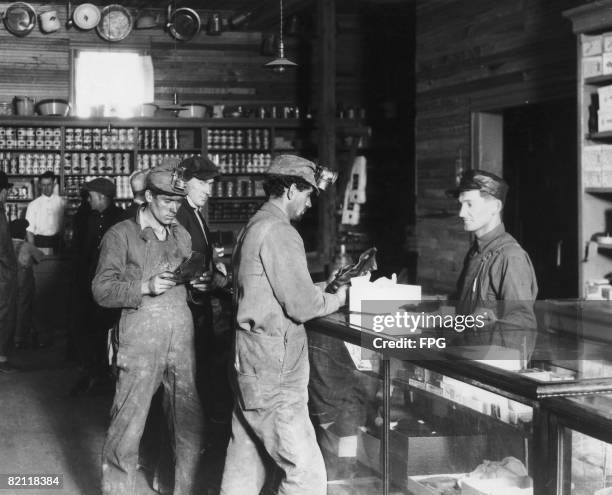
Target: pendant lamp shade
(280,63)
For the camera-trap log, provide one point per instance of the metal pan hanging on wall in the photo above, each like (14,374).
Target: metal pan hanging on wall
(183,24)
(116,23)
(86,16)
(19,18)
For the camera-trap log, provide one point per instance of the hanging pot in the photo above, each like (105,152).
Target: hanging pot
(147,21)
(194,111)
(20,18)
(86,16)
(115,24)
(49,21)
(183,24)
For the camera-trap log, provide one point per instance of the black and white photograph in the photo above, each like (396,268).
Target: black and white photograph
(306,247)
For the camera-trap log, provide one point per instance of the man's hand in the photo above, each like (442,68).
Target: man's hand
(341,293)
(487,315)
(209,282)
(158,284)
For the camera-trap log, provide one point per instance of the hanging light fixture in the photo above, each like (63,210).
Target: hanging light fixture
(280,63)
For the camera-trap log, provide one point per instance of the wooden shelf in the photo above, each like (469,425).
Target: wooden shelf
(33,176)
(100,150)
(32,150)
(599,135)
(599,80)
(238,150)
(598,190)
(523,428)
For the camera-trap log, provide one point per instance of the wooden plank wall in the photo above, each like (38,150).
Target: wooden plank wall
(475,55)
(208,69)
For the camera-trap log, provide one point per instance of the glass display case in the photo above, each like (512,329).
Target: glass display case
(445,421)
(584,439)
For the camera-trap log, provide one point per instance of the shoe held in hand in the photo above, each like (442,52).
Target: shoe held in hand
(365,263)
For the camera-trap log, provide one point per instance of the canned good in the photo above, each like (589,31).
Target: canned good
(97,138)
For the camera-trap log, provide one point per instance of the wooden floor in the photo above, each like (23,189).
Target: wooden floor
(43,430)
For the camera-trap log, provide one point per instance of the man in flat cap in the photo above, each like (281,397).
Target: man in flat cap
(135,273)
(275,296)
(497,281)
(199,174)
(93,321)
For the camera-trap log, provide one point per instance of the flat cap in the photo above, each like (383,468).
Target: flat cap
(480,180)
(296,166)
(200,167)
(165,180)
(102,186)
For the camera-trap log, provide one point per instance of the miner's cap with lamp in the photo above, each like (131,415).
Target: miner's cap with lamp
(166,180)
(318,177)
(480,180)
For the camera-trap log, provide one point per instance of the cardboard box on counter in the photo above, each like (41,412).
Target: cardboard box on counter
(383,296)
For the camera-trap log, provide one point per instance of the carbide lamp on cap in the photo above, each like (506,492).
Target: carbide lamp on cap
(325,177)
(178,179)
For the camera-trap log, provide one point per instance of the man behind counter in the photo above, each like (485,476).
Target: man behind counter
(45,215)
(497,280)
(275,296)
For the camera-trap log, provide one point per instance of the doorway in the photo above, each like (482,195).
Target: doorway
(540,165)
(536,145)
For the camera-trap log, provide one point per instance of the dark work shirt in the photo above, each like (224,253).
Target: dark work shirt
(96,225)
(498,274)
(188,216)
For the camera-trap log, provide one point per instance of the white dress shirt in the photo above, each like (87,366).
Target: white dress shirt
(46,215)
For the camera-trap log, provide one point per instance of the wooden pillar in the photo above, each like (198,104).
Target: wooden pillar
(326,121)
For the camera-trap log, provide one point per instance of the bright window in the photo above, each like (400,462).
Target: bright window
(111,84)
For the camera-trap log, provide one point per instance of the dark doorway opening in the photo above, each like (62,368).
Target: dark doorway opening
(540,164)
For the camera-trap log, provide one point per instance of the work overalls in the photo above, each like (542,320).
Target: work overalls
(155,346)
(275,295)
